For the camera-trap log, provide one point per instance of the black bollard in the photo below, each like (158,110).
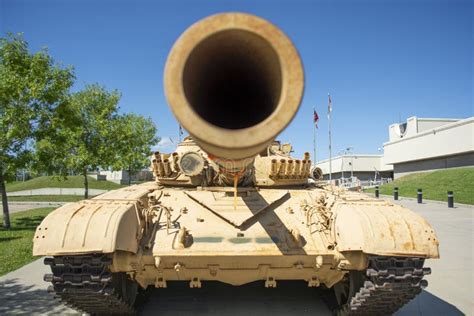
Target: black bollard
(377,191)
(395,193)
(420,196)
(450,199)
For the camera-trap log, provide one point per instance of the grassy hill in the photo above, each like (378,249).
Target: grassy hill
(70,182)
(435,185)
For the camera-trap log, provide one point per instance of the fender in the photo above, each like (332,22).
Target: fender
(110,222)
(382,228)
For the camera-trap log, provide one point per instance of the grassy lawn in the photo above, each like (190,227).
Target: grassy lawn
(70,182)
(435,185)
(16,244)
(46,198)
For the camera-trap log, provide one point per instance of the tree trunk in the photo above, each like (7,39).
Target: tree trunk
(86,184)
(3,191)
(129,175)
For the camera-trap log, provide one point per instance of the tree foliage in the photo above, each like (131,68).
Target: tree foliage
(90,134)
(45,127)
(134,136)
(83,137)
(32,89)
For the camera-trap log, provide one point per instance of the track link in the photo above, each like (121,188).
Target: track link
(85,283)
(391,282)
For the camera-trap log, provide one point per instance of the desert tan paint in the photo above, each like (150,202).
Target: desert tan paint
(179,228)
(290,241)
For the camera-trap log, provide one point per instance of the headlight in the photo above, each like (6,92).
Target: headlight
(191,163)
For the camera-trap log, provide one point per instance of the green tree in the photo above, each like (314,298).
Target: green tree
(134,135)
(32,89)
(86,132)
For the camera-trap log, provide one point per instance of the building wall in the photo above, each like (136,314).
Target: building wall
(122,176)
(427,124)
(414,126)
(447,140)
(361,175)
(461,160)
(358,163)
(119,177)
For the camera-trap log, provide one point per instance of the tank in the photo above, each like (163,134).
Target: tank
(232,204)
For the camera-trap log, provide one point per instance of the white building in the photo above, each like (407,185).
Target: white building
(364,167)
(427,144)
(122,176)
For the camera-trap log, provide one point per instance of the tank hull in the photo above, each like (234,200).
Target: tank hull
(315,234)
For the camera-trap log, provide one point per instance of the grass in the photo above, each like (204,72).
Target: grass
(46,198)
(16,244)
(435,185)
(70,182)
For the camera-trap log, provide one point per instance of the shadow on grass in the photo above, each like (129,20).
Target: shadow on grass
(23,224)
(26,223)
(3,239)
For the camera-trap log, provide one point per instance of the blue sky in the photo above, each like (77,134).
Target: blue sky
(380,60)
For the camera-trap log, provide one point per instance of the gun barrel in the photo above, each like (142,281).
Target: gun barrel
(234,81)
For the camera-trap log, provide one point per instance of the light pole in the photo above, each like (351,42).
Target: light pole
(350,150)
(347,150)
(342,163)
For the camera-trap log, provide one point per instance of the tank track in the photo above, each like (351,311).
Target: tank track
(390,283)
(85,283)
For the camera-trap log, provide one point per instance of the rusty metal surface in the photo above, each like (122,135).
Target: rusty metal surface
(383,228)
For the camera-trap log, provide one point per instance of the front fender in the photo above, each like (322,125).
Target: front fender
(382,228)
(101,225)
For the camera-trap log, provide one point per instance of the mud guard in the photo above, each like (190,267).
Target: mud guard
(91,226)
(383,229)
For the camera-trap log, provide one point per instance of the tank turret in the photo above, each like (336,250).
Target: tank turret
(234,82)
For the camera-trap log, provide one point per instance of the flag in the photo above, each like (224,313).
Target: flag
(329,104)
(315,118)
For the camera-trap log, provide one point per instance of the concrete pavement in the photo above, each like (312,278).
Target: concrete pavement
(15,207)
(23,292)
(449,291)
(452,277)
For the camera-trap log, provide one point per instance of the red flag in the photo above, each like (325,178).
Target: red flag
(315,118)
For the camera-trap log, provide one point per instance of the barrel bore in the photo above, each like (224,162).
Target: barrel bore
(377,193)
(234,81)
(450,199)
(419,194)
(395,193)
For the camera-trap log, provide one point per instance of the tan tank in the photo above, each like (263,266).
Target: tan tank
(231,204)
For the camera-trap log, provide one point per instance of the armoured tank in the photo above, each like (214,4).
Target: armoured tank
(231,204)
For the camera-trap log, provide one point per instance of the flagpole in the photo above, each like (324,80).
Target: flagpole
(314,138)
(330,147)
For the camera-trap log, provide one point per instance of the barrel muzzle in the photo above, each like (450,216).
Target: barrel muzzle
(234,81)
